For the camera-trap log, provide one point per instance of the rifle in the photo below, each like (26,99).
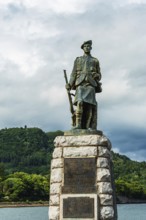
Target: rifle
(70,100)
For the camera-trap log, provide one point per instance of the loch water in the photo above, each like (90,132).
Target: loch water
(125,212)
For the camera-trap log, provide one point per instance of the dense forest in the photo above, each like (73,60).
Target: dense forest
(25,156)
(130,178)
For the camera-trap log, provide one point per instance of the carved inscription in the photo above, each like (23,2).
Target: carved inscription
(78,207)
(78,189)
(79,175)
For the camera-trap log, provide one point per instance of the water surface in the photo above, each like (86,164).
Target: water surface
(125,212)
(24,213)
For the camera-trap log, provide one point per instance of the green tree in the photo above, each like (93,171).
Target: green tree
(21,186)
(13,189)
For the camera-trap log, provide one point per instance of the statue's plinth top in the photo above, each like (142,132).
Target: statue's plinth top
(73,132)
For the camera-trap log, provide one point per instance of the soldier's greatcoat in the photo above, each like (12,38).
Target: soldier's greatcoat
(85,79)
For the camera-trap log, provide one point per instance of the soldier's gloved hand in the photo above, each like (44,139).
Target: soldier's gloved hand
(68,87)
(96,76)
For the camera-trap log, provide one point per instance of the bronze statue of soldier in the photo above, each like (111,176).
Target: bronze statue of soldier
(84,80)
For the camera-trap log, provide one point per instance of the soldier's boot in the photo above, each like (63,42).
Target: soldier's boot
(94,118)
(78,120)
(79,113)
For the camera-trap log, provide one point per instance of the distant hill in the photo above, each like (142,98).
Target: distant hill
(26,149)
(130,178)
(30,150)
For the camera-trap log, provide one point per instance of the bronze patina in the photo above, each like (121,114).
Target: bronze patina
(79,175)
(78,207)
(85,80)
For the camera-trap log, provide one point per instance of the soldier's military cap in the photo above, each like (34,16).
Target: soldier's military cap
(86,42)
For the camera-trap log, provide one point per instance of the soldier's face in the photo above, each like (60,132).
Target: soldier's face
(87,48)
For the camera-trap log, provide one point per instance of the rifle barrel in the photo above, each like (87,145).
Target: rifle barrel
(65,76)
(68,93)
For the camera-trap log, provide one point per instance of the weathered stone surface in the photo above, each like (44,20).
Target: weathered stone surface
(84,140)
(56,175)
(103,152)
(79,151)
(103,175)
(57,163)
(104,188)
(55,188)
(102,162)
(107,213)
(53,213)
(104,141)
(54,200)
(57,152)
(106,199)
(75,180)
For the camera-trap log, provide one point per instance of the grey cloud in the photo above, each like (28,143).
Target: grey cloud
(129,141)
(118,36)
(137,77)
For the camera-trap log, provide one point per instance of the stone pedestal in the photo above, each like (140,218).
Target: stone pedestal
(81,184)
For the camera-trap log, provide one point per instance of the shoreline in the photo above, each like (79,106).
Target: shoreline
(126,200)
(46,204)
(23,204)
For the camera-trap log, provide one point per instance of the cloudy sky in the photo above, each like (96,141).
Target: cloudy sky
(40,38)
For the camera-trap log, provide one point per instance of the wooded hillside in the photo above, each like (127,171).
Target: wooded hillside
(25,156)
(130,177)
(26,149)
